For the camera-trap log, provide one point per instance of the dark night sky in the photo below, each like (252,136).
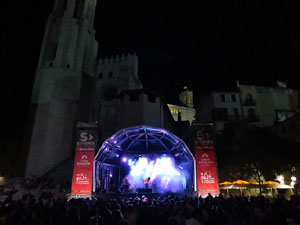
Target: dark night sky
(204,45)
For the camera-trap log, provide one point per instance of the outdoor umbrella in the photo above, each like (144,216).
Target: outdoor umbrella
(275,185)
(225,185)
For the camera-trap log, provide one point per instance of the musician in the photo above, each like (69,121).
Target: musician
(146,182)
(126,185)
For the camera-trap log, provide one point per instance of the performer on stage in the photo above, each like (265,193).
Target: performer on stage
(146,182)
(126,185)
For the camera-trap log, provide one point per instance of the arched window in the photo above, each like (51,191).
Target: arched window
(248,100)
(249,97)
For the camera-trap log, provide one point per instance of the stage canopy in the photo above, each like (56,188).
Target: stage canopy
(143,140)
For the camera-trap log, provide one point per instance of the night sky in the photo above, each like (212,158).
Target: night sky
(202,44)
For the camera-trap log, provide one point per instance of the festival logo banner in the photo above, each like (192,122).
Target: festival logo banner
(206,165)
(207,177)
(84,161)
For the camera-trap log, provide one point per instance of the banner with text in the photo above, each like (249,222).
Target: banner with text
(84,162)
(207,177)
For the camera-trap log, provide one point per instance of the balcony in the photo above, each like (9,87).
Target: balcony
(252,118)
(249,102)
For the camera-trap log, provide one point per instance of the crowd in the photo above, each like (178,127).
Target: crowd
(43,183)
(47,210)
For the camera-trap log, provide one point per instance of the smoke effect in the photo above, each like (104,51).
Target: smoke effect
(164,174)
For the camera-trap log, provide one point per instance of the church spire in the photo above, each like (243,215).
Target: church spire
(66,65)
(69,29)
(78,9)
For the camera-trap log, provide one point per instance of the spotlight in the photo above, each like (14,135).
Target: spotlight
(110,175)
(124,159)
(130,162)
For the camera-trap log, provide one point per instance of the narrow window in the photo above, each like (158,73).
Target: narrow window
(110,74)
(233,98)
(100,76)
(236,113)
(222,97)
(76,9)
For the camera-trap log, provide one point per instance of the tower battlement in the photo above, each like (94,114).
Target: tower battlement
(118,59)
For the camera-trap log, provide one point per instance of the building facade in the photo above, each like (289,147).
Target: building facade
(288,129)
(72,85)
(266,106)
(113,76)
(219,108)
(185,111)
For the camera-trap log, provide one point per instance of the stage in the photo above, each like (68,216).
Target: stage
(140,195)
(144,160)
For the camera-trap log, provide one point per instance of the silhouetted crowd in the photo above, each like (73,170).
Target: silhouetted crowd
(43,183)
(47,210)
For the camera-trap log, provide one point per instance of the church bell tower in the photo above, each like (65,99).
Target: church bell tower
(68,54)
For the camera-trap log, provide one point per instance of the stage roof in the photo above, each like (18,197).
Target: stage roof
(142,140)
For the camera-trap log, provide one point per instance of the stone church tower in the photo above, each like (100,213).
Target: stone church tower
(114,75)
(66,64)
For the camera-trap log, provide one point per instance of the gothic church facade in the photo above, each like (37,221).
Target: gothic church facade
(72,85)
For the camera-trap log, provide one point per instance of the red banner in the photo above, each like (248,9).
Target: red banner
(83,172)
(207,177)
(84,163)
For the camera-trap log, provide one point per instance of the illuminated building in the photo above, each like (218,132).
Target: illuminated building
(219,108)
(184,110)
(265,106)
(288,129)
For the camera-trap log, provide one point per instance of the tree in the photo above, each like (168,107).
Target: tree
(253,154)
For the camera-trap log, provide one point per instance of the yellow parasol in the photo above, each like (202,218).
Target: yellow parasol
(240,182)
(225,183)
(275,185)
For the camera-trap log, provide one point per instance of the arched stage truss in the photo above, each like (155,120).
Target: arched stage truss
(147,149)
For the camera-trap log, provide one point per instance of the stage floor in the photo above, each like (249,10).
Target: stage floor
(131,195)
